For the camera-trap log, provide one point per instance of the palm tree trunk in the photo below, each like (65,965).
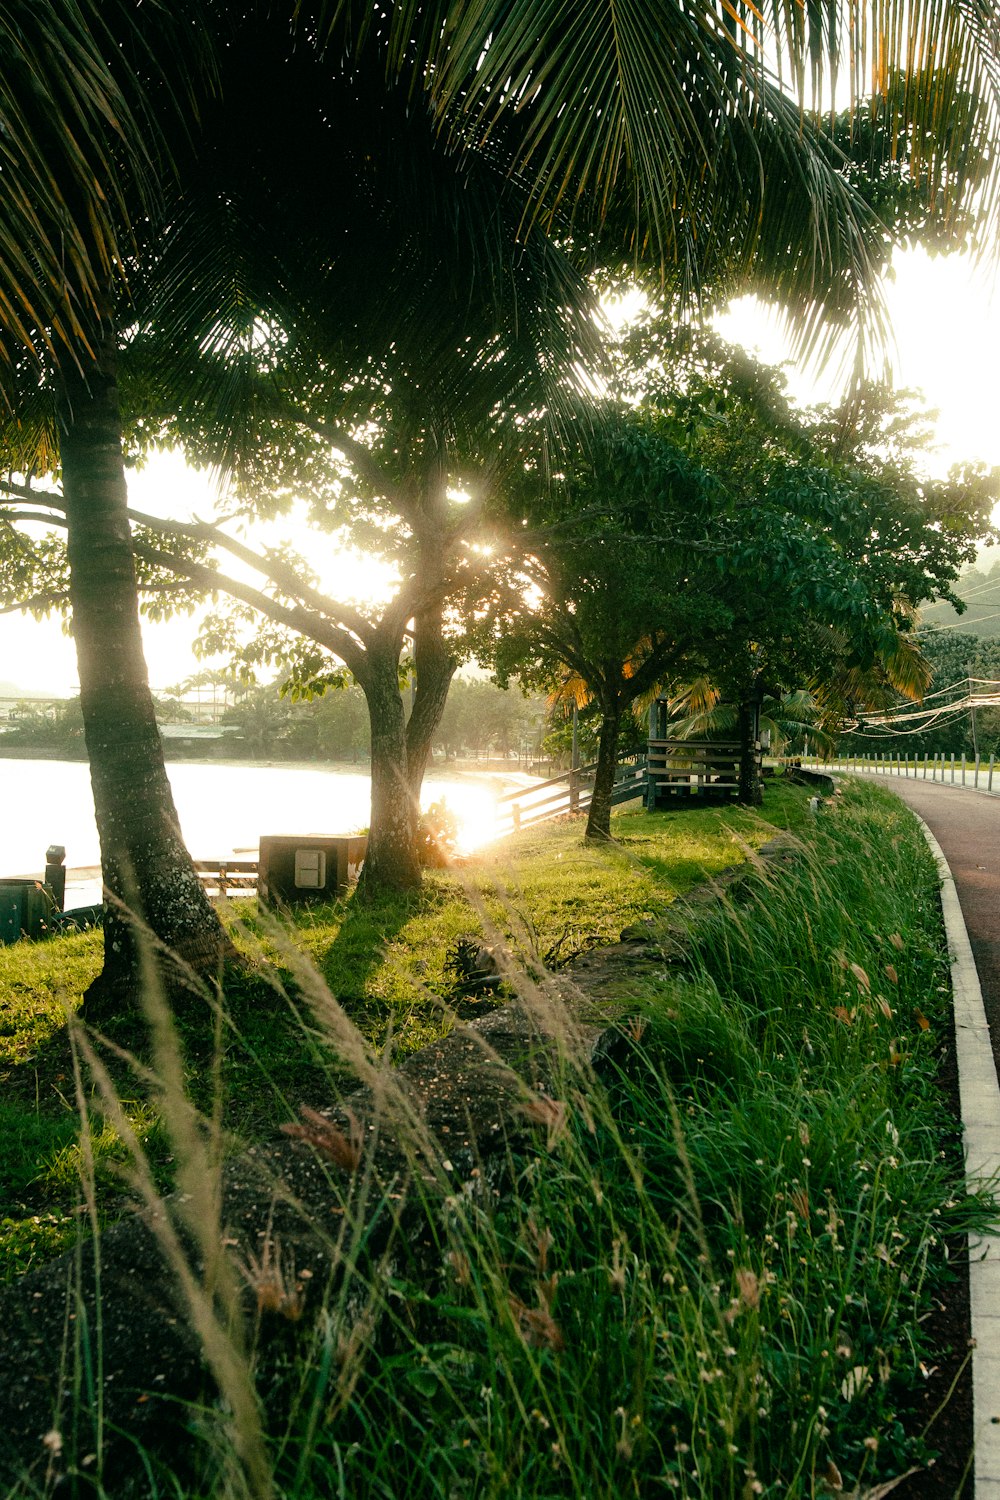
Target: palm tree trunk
(392,861)
(150,881)
(750,793)
(599,816)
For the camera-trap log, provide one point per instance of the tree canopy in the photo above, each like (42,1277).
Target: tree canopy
(483,159)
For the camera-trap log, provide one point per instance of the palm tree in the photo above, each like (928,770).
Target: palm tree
(782,719)
(148,874)
(82,140)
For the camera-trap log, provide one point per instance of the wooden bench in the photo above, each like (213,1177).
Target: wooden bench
(708,770)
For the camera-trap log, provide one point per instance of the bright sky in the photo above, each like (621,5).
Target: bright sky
(946,319)
(947,328)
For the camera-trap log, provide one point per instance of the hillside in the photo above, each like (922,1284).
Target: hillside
(980,589)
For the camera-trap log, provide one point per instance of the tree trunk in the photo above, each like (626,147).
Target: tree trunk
(435,667)
(750,793)
(392,862)
(599,816)
(149,879)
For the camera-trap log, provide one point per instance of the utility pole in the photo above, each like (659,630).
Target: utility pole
(972,710)
(574,780)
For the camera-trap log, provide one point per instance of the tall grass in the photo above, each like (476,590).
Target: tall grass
(698,1265)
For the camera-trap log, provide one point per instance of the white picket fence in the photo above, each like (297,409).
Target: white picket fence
(957,770)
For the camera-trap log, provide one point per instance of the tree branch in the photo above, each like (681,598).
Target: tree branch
(26,492)
(279,572)
(361,459)
(37,601)
(27,515)
(303,621)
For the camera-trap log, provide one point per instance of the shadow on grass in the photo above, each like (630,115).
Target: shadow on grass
(361,947)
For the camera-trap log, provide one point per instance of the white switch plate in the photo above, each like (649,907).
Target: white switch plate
(310,869)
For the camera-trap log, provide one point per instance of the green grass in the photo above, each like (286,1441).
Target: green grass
(709,1277)
(385,962)
(541,888)
(713,1282)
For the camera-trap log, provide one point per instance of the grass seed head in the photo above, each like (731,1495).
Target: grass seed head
(799,1199)
(324,1136)
(461,1269)
(542,1240)
(552,1113)
(275,1286)
(536,1326)
(748,1286)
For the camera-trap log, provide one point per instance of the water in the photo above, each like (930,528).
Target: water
(223,809)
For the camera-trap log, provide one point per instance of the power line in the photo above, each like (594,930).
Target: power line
(962,682)
(960,705)
(968,700)
(974,592)
(932,715)
(983,587)
(981,620)
(886,734)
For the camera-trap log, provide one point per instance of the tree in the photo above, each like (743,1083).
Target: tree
(616,559)
(837,538)
(738,540)
(332,727)
(96,187)
(375,399)
(481,718)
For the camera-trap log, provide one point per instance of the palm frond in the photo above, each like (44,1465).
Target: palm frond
(410,273)
(668,124)
(906,667)
(571,690)
(84,94)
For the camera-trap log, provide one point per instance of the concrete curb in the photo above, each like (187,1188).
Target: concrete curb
(979,1095)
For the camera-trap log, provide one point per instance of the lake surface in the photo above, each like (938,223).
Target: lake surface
(223,809)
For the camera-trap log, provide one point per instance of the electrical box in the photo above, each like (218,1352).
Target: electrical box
(307,867)
(310,869)
(25,907)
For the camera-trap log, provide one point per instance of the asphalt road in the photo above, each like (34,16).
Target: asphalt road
(966,824)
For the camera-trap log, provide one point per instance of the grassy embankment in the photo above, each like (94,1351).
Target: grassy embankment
(710,1277)
(386,964)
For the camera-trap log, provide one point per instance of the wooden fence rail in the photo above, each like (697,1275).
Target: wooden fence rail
(569,792)
(225,877)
